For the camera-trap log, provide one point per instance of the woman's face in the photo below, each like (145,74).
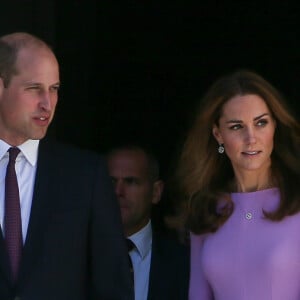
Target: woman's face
(246,128)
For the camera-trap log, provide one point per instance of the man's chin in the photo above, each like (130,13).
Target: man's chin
(38,136)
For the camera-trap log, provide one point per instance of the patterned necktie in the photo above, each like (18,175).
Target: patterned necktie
(130,246)
(12,215)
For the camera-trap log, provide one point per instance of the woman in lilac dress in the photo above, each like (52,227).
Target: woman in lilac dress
(240,175)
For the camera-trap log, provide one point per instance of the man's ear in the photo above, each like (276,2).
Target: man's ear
(158,187)
(216,133)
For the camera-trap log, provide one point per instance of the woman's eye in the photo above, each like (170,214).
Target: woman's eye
(235,127)
(262,122)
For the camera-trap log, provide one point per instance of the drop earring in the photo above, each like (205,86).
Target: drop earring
(221,148)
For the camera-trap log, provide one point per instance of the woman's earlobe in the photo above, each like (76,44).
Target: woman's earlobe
(2,86)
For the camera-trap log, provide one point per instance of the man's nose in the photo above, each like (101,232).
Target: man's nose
(45,101)
(119,189)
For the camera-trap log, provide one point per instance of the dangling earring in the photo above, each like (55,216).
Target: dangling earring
(221,148)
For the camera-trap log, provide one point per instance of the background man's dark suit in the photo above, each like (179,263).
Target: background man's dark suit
(169,270)
(135,173)
(73,234)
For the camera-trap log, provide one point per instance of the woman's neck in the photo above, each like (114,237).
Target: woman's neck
(253,183)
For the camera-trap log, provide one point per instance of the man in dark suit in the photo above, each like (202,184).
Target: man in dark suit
(71,243)
(160,264)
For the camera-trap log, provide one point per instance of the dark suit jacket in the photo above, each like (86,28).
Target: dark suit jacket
(74,248)
(169,271)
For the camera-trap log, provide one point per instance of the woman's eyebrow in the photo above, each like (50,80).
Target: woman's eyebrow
(256,118)
(240,121)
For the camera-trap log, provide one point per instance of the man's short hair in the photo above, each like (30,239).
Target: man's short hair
(153,165)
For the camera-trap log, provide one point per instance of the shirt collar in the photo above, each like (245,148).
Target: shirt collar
(29,149)
(143,240)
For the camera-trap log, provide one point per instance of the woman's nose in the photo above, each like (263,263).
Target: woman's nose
(250,136)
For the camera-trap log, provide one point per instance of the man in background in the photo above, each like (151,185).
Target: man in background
(160,264)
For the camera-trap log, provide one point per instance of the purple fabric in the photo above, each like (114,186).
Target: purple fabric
(12,215)
(249,257)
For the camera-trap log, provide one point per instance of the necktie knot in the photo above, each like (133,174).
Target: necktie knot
(13,153)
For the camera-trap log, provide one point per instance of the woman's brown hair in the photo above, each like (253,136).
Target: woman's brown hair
(204,175)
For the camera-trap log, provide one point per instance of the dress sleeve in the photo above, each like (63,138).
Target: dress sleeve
(199,288)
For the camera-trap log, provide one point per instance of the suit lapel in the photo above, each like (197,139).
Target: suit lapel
(154,291)
(4,259)
(41,209)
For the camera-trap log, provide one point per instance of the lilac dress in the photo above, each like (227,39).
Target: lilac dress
(249,257)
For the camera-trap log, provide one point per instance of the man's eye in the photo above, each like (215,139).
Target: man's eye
(33,88)
(132,181)
(55,88)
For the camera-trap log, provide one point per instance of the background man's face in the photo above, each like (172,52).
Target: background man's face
(133,187)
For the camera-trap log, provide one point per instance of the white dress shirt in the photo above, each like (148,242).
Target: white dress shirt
(26,163)
(141,260)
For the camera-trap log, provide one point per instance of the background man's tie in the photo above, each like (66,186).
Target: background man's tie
(12,215)
(130,246)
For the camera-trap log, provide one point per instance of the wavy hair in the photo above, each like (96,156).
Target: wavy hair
(204,175)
